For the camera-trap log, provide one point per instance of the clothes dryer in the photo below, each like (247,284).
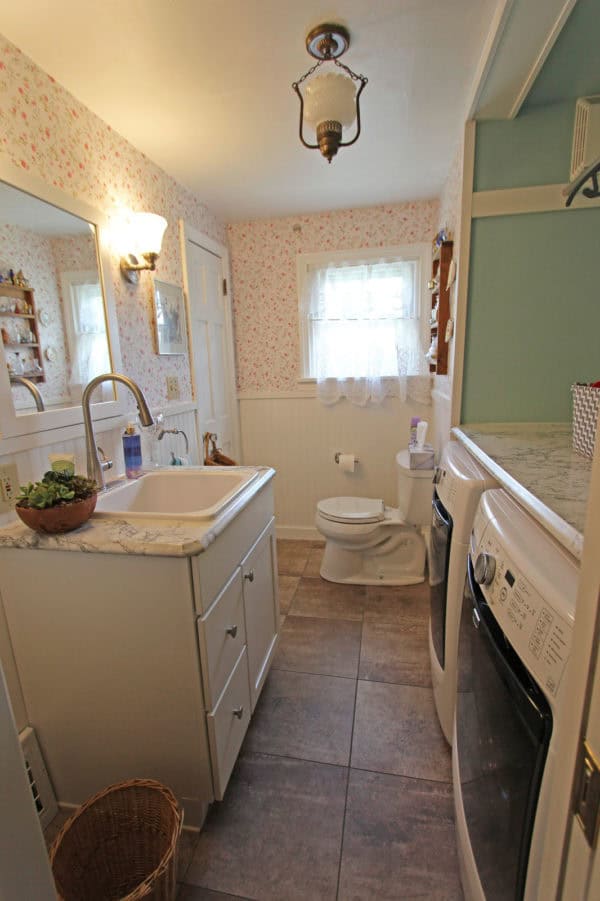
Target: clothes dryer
(459,483)
(514,646)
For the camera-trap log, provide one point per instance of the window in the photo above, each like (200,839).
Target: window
(83,307)
(360,319)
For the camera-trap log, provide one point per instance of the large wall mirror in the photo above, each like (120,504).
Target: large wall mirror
(58,325)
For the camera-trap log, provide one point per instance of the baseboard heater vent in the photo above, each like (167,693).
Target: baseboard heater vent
(41,788)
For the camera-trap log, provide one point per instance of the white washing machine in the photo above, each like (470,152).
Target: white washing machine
(459,483)
(514,645)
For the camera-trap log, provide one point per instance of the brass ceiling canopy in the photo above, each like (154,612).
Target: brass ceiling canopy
(327,41)
(331,100)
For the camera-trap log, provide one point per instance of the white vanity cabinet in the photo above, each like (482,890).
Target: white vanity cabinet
(145,666)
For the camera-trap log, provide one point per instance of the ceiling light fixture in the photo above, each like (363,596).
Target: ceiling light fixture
(332,101)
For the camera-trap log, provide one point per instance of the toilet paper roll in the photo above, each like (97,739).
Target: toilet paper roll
(347,462)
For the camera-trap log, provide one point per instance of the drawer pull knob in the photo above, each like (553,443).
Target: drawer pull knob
(249,576)
(232,630)
(239,712)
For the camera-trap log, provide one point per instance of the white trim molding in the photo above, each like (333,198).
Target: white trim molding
(535,199)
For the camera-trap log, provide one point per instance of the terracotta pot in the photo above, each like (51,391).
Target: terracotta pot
(62,518)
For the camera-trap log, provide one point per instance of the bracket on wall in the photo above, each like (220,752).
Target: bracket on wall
(589,174)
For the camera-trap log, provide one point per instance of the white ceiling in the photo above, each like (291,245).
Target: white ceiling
(203,88)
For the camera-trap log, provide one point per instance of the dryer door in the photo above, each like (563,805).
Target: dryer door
(503,728)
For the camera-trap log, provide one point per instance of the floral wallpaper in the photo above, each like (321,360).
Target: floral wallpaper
(46,131)
(263,263)
(451,195)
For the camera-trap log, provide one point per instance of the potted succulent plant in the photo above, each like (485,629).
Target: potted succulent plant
(60,502)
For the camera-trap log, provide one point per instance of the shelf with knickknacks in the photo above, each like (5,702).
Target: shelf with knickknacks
(439,285)
(19,328)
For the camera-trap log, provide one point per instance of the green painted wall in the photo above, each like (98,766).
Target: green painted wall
(534,315)
(533,321)
(533,149)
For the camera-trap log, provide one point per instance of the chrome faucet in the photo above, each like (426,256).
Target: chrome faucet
(96,467)
(32,388)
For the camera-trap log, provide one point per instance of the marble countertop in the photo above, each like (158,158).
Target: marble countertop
(536,464)
(162,538)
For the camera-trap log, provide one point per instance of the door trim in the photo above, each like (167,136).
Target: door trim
(189,233)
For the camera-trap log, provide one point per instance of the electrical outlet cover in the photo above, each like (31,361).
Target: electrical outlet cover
(172,387)
(9,486)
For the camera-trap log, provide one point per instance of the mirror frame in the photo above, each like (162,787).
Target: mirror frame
(11,425)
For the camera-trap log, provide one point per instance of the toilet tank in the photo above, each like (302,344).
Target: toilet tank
(415,491)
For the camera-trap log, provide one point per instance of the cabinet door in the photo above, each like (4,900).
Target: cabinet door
(261,608)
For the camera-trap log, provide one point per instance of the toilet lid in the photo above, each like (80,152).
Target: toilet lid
(352,509)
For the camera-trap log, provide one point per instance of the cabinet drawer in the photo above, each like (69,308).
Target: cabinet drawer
(222,635)
(227,725)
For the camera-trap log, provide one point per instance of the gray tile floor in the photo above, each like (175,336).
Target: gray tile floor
(343,786)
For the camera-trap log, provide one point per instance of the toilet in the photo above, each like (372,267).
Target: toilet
(368,543)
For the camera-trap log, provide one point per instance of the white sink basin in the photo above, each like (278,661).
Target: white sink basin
(188,494)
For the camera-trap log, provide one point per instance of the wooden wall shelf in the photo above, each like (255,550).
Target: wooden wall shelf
(440,305)
(8,290)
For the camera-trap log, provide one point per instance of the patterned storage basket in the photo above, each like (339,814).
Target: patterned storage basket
(121,845)
(586,403)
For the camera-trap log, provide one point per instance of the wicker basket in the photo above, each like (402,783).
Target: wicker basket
(586,403)
(121,844)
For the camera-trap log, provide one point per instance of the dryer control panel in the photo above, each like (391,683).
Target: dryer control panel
(537,632)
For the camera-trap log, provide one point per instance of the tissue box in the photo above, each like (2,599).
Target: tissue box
(421,458)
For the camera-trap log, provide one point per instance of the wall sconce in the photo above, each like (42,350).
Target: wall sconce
(146,232)
(332,101)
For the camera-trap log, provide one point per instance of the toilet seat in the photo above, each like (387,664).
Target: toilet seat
(352,510)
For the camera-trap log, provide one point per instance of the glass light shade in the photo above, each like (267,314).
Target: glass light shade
(147,230)
(330,97)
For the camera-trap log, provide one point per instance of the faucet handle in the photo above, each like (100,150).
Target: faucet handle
(105,463)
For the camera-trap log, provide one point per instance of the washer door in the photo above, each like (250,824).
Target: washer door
(439,558)
(503,728)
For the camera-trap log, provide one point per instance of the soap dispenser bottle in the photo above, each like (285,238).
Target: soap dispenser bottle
(132,451)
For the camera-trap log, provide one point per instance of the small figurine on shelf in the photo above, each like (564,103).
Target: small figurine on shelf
(11,276)
(20,280)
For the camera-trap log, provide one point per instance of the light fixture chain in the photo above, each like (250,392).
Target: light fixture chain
(347,69)
(307,74)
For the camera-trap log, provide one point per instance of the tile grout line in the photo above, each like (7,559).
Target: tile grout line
(302,672)
(349,761)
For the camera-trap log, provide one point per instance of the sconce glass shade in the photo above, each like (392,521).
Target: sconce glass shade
(147,230)
(330,98)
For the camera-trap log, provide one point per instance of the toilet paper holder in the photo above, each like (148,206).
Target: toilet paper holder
(337,456)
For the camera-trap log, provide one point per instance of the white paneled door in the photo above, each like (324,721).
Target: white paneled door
(212,364)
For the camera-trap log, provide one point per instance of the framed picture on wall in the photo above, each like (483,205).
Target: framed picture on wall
(169,311)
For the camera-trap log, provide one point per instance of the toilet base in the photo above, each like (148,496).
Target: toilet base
(399,562)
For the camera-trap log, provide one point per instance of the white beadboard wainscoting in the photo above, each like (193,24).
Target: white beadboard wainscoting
(442,412)
(299,436)
(32,460)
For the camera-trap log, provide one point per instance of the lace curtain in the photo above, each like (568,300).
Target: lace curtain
(363,332)
(90,354)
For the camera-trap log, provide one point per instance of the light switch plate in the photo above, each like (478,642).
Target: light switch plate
(9,486)
(173,392)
